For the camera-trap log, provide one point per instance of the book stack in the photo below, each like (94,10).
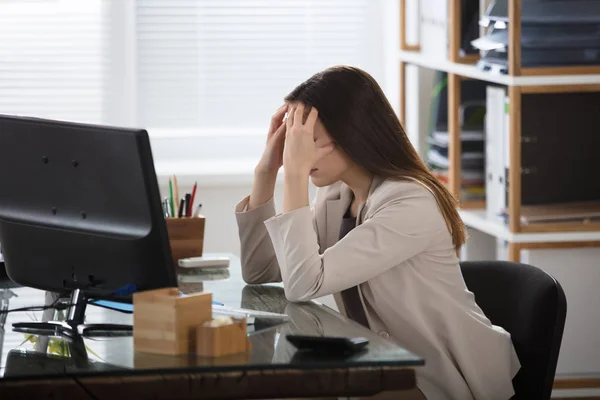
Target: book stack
(553,34)
(472,136)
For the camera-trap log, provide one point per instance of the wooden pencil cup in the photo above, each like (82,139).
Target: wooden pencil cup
(165,322)
(186,236)
(224,340)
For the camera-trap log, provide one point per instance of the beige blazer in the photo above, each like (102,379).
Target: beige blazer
(401,257)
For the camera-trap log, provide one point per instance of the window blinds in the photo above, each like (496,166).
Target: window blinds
(53,59)
(227,64)
(199,65)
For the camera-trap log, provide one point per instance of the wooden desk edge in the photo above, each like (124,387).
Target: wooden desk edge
(282,383)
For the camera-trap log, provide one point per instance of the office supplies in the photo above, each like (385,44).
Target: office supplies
(496,129)
(549,12)
(186,236)
(198,276)
(164,321)
(193,198)
(113,305)
(562,212)
(181,208)
(176,194)
(250,315)
(171,205)
(188,202)
(166,208)
(199,211)
(59,243)
(118,306)
(325,344)
(221,337)
(204,262)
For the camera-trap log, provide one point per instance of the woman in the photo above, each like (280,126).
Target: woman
(383,235)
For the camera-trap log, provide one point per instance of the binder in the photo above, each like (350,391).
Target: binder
(434,32)
(560,144)
(495,158)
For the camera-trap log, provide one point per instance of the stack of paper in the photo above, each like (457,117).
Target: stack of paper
(471,137)
(583,212)
(553,33)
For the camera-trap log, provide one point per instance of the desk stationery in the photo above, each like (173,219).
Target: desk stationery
(82,368)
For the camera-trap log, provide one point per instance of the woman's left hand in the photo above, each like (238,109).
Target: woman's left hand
(300,152)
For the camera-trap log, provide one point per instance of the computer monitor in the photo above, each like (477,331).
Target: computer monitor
(80,212)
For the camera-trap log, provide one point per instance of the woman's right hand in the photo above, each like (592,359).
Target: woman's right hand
(272,158)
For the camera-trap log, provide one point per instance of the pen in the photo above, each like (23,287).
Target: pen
(171,197)
(191,205)
(198,210)
(165,206)
(188,205)
(181,208)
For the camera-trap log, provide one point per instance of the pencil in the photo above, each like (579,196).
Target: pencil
(171,198)
(191,205)
(176,193)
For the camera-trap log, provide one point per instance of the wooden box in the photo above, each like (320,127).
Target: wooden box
(165,322)
(217,341)
(186,236)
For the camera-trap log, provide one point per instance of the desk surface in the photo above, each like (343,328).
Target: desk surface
(89,367)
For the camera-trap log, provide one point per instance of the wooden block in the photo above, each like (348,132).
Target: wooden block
(186,236)
(217,341)
(164,321)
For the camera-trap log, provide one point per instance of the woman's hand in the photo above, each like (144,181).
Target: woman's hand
(300,152)
(299,156)
(265,173)
(272,158)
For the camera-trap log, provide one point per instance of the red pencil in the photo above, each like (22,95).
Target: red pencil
(191,205)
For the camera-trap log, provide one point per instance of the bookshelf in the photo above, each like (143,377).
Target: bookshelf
(518,83)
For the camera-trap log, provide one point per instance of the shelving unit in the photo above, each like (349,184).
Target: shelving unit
(470,71)
(567,80)
(519,82)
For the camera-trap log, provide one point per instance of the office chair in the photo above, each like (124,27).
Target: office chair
(531,305)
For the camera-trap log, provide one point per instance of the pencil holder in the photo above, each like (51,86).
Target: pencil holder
(213,340)
(165,322)
(186,236)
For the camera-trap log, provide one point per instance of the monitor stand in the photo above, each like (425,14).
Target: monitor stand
(75,323)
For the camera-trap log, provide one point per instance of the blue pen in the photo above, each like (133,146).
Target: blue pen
(216,303)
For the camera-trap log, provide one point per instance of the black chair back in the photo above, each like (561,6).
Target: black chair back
(531,305)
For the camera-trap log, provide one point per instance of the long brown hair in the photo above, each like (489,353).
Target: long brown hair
(360,119)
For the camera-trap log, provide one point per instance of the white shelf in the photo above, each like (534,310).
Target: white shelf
(470,71)
(478,220)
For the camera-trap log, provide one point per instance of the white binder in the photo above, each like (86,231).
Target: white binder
(495,143)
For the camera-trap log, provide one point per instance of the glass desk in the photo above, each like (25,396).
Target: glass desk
(34,366)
